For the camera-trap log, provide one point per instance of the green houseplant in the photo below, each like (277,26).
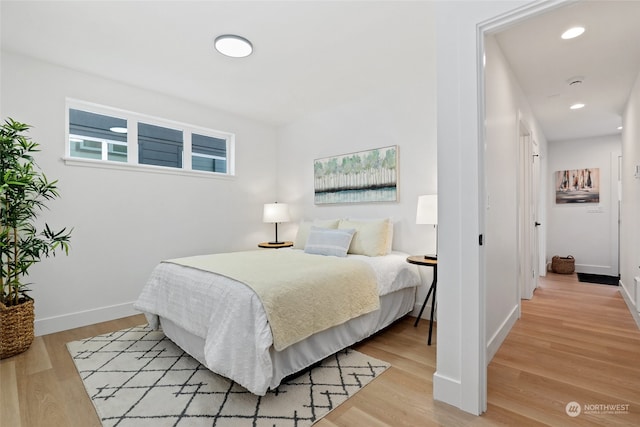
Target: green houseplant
(24,189)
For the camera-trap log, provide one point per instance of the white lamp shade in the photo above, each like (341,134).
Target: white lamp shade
(275,212)
(427,212)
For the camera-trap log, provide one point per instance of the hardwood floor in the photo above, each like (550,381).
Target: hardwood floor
(574,342)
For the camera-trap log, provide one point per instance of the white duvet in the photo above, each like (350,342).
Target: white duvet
(229,316)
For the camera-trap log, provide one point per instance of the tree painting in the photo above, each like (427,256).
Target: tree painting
(366,176)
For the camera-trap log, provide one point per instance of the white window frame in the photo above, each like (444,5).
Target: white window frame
(132,142)
(104,145)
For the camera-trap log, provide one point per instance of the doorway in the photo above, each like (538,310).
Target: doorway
(460,378)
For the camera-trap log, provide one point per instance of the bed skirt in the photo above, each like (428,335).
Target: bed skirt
(305,353)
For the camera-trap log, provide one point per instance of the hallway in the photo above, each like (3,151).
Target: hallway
(575,342)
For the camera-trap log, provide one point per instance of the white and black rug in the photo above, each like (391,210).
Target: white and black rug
(138,377)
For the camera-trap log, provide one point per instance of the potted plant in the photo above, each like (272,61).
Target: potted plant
(24,189)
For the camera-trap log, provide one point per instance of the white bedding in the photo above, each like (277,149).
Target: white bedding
(302,294)
(231,320)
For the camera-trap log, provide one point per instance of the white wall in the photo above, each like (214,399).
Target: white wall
(405,118)
(125,222)
(402,116)
(587,232)
(506,105)
(630,215)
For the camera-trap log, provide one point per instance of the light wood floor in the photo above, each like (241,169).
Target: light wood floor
(574,342)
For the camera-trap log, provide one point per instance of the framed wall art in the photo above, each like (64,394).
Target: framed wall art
(362,177)
(578,186)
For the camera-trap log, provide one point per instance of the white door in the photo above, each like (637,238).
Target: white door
(528,246)
(617,192)
(535,215)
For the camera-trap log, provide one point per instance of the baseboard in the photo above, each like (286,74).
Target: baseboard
(426,314)
(50,325)
(604,270)
(498,338)
(630,303)
(447,390)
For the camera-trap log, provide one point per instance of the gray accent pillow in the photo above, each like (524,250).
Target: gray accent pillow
(329,241)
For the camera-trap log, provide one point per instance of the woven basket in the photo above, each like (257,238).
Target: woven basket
(563,265)
(16,331)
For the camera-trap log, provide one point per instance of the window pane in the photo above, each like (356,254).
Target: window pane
(159,146)
(85,149)
(117,153)
(208,164)
(209,153)
(89,131)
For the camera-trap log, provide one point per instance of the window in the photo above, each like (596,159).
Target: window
(111,136)
(159,146)
(208,153)
(95,136)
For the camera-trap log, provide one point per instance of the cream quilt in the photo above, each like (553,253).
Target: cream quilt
(301,293)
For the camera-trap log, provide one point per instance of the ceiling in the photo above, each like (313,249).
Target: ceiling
(607,56)
(310,56)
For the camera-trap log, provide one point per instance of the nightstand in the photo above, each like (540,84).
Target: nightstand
(271,245)
(421,260)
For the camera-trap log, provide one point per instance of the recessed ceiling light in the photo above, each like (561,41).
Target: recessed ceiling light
(577,106)
(575,80)
(619,127)
(572,33)
(233,46)
(118,129)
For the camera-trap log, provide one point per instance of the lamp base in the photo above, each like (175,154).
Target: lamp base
(276,243)
(432,257)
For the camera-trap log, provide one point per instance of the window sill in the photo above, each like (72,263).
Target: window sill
(72,161)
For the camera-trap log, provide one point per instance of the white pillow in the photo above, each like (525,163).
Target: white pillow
(305,228)
(329,241)
(371,237)
(389,247)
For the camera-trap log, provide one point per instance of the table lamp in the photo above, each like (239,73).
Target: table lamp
(427,213)
(275,213)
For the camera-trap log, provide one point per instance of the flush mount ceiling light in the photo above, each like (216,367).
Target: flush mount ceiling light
(572,33)
(118,129)
(577,106)
(233,46)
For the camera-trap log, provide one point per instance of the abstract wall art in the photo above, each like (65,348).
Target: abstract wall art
(578,186)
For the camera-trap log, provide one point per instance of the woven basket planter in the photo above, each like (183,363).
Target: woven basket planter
(16,333)
(563,265)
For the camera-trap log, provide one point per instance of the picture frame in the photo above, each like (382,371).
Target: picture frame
(577,186)
(369,176)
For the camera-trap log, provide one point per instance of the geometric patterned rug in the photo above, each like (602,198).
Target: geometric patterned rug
(138,377)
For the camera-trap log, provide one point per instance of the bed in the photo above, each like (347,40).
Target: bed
(206,305)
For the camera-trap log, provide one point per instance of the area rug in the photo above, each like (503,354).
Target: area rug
(138,377)
(598,278)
